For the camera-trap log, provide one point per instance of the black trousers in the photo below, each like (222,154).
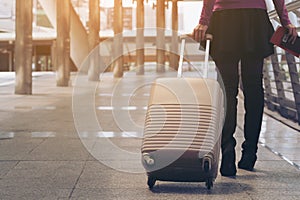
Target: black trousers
(251,76)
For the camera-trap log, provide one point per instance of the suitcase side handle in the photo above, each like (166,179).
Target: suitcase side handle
(183,38)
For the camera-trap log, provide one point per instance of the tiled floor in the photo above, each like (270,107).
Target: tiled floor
(283,140)
(57,146)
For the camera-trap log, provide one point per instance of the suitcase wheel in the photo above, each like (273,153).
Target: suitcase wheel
(209,183)
(151,182)
(207,166)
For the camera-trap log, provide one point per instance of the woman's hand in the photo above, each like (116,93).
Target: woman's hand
(199,32)
(292,33)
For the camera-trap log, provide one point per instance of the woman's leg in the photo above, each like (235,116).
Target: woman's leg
(252,74)
(228,68)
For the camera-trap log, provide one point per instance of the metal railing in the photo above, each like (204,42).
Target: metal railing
(281,77)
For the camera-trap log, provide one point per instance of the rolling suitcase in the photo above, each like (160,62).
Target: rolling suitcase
(182,130)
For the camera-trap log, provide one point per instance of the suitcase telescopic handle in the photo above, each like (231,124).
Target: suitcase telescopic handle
(208,38)
(179,72)
(183,38)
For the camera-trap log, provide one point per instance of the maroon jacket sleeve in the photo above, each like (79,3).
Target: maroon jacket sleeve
(282,12)
(207,10)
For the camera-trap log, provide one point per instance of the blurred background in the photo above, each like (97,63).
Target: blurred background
(62,37)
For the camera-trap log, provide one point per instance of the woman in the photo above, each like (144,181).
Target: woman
(241,32)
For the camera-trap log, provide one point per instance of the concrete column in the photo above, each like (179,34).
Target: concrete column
(174,58)
(47,63)
(140,23)
(53,56)
(23,47)
(94,29)
(118,39)
(10,61)
(63,43)
(160,39)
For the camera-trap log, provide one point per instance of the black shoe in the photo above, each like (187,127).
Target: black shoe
(247,161)
(228,167)
(228,170)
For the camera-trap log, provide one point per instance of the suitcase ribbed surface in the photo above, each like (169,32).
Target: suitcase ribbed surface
(180,127)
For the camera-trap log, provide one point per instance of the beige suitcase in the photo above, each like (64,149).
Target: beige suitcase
(182,129)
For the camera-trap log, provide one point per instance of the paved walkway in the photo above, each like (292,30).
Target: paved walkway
(45,155)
